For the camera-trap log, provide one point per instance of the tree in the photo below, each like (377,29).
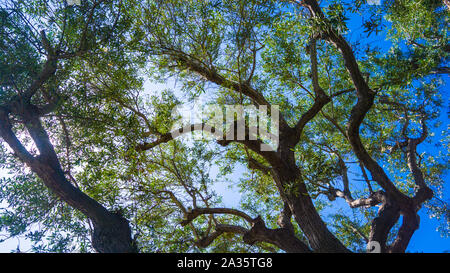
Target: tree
(102,163)
(30,91)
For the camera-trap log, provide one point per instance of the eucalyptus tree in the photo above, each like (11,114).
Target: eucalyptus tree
(95,165)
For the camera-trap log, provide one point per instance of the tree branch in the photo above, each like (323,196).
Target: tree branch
(211,74)
(373,199)
(365,101)
(381,225)
(284,220)
(47,71)
(194,213)
(255,165)
(283,238)
(320,100)
(220,229)
(9,137)
(254,145)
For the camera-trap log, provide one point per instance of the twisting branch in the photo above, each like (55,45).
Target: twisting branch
(194,213)
(320,99)
(389,212)
(388,215)
(9,137)
(47,166)
(423,191)
(283,238)
(212,75)
(365,101)
(53,55)
(284,220)
(48,70)
(366,178)
(220,229)
(111,231)
(224,140)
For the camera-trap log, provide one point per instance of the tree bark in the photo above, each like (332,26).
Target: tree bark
(111,231)
(304,212)
(388,215)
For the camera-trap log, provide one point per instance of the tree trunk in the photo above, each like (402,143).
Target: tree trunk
(388,215)
(111,231)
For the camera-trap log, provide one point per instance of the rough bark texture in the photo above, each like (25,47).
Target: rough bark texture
(113,235)
(288,177)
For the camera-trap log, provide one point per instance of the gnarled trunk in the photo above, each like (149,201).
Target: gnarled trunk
(304,212)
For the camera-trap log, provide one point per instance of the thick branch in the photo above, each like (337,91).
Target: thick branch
(255,145)
(423,191)
(409,225)
(410,218)
(365,101)
(220,229)
(388,215)
(191,215)
(320,100)
(111,230)
(9,137)
(284,220)
(48,70)
(283,238)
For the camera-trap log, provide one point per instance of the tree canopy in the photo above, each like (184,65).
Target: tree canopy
(85,127)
